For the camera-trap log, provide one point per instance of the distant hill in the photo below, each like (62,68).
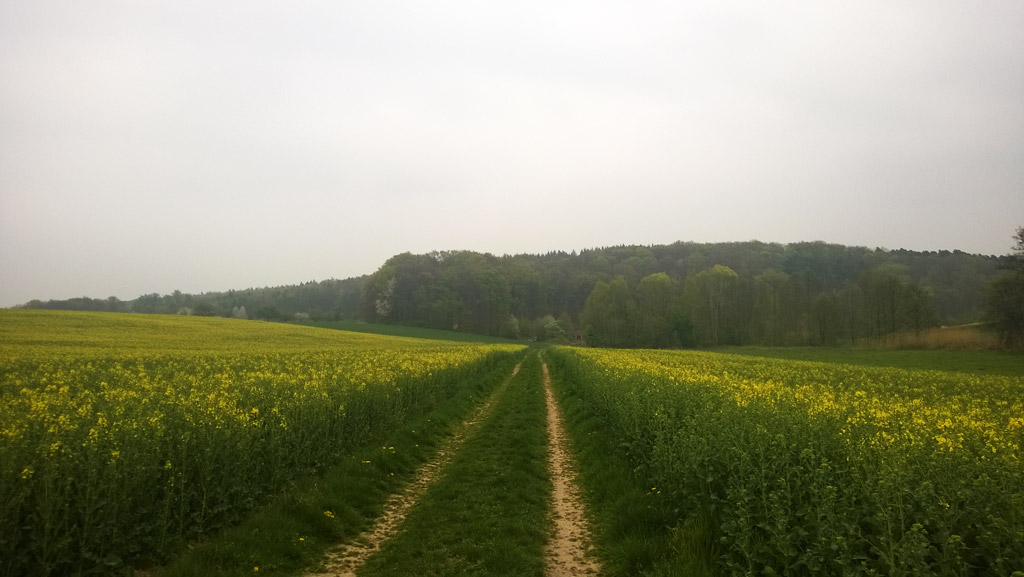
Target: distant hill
(688,294)
(323,300)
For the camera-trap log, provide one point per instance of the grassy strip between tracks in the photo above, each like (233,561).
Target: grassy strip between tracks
(635,530)
(488,513)
(293,531)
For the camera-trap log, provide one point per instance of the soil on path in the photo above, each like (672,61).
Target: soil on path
(568,552)
(345,560)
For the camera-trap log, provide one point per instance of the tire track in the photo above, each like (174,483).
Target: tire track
(568,553)
(344,560)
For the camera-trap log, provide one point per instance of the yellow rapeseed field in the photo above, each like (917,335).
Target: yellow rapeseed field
(121,433)
(802,468)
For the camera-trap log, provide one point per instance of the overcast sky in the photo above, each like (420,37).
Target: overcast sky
(160,145)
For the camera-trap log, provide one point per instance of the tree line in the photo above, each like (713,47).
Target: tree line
(323,300)
(1004,301)
(683,294)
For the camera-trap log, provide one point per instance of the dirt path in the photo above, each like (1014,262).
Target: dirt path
(345,560)
(568,552)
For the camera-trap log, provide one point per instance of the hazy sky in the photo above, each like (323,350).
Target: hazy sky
(158,145)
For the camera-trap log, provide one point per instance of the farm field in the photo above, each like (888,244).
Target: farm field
(412,332)
(770,466)
(265,446)
(488,513)
(124,436)
(978,362)
(483,502)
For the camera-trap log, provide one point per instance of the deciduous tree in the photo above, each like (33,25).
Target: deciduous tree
(1004,302)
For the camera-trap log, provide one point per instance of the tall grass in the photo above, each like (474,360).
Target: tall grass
(967,337)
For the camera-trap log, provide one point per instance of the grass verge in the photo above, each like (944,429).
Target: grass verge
(412,332)
(488,513)
(293,531)
(636,531)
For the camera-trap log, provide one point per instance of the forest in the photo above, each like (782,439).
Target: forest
(683,294)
